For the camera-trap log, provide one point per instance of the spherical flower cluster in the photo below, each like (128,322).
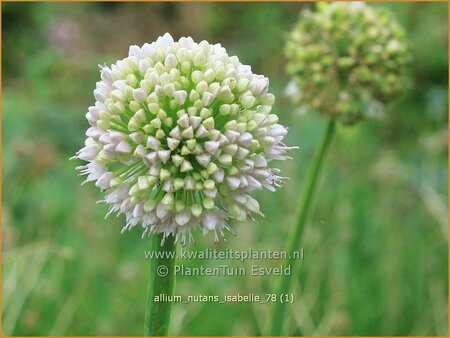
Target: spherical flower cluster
(346,59)
(181,133)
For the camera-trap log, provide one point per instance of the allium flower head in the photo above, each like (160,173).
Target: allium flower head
(181,133)
(347,59)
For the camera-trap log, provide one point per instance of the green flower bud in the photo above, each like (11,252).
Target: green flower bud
(350,47)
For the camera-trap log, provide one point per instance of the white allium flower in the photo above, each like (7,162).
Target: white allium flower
(181,134)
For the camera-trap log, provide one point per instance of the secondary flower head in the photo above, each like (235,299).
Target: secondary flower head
(347,59)
(181,133)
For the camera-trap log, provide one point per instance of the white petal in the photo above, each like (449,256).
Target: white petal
(277,130)
(143,64)
(210,193)
(152,157)
(104,181)
(143,182)
(168,185)
(139,95)
(203,159)
(137,137)
(116,136)
(212,146)
(186,166)
(155,170)
(180,96)
(172,143)
(138,211)
(232,135)
(201,132)
(260,86)
(209,220)
(189,183)
(170,61)
(241,153)
(259,161)
(100,95)
(94,171)
(147,50)
(223,140)
(219,175)
(245,140)
(89,152)
(207,98)
(252,204)
(188,133)
(183,121)
(94,132)
(164,155)
(153,143)
(175,132)
(140,151)
(164,41)
(105,138)
(161,211)
(123,148)
(134,51)
(241,198)
(233,182)
(195,121)
(106,75)
(182,218)
(244,182)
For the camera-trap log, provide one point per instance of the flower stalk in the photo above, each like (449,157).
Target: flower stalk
(162,282)
(294,239)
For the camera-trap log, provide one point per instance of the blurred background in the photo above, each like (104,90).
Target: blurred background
(376,246)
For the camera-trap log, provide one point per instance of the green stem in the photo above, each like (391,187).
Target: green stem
(162,282)
(302,213)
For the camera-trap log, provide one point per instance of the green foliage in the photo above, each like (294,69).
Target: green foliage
(376,245)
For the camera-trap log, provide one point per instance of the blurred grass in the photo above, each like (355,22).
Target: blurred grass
(376,247)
